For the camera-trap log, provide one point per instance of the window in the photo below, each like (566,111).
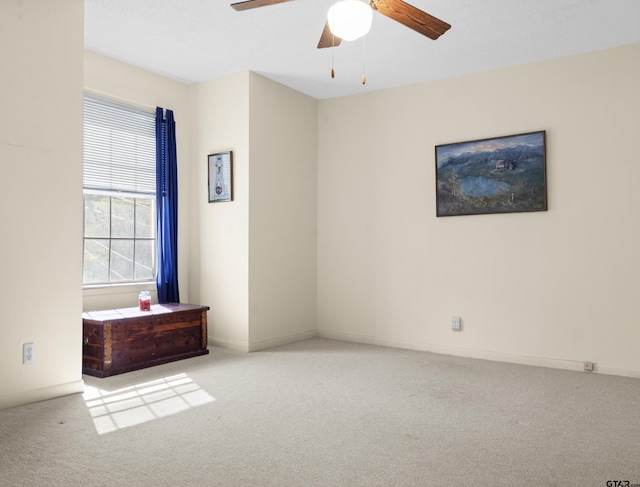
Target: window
(119,185)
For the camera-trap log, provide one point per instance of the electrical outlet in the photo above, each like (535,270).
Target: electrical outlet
(456,323)
(28,353)
(588,366)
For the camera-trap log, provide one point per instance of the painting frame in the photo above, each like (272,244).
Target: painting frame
(220,177)
(504,174)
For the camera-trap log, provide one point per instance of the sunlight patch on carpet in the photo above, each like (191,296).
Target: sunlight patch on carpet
(140,403)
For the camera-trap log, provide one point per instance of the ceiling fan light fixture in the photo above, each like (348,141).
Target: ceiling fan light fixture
(350,19)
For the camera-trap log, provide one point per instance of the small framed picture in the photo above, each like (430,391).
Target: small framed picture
(220,177)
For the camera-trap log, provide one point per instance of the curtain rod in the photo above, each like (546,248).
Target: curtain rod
(121,99)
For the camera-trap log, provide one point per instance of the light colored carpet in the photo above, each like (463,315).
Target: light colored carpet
(330,413)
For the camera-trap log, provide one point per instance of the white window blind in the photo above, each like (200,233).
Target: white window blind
(118,146)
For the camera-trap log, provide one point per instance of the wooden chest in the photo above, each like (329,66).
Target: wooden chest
(121,340)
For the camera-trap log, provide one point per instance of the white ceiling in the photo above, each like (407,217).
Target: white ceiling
(199,40)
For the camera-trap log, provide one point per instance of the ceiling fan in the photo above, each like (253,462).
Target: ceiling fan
(398,10)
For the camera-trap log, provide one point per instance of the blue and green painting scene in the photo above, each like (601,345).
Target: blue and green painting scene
(499,175)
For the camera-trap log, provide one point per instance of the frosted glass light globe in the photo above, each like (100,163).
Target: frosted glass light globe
(350,19)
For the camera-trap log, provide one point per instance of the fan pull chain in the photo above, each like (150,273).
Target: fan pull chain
(333,55)
(333,50)
(364,78)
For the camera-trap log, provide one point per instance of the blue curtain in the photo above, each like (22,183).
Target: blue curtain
(166,207)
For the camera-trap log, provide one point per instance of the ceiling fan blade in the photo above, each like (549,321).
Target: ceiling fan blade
(412,17)
(327,39)
(246,5)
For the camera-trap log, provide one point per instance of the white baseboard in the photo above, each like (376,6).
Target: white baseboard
(480,354)
(231,345)
(264,344)
(43,394)
(285,340)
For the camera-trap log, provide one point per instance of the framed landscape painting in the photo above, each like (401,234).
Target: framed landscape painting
(500,175)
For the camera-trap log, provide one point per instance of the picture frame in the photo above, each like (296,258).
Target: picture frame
(220,169)
(504,174)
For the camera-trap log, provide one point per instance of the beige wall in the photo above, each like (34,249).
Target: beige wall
(256,273)
(551,288)
(253,259)
(351,247)
(282,214)
(123,82)
(219,245)
(41,47)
